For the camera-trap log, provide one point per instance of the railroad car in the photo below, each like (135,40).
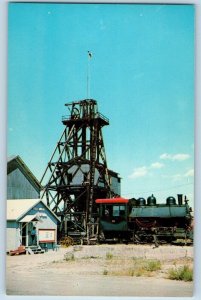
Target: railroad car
(142,221)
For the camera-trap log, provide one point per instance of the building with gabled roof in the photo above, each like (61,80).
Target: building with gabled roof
(21,183)
(25,216)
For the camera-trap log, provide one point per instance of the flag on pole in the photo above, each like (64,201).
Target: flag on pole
(90,54)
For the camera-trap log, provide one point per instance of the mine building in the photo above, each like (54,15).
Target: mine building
(26,213)
(21,183)
(115,183)
(30,223)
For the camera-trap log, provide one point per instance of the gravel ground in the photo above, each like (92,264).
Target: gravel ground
(81,270)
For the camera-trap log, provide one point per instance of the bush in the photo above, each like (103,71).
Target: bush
(153,265)
(109,255)
(183,273)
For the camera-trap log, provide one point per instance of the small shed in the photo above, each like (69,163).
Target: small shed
(30,222)
(115,181)
(21,183)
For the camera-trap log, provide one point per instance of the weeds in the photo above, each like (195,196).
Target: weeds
(137,267)
(109,255)
(184,273)
(153,265)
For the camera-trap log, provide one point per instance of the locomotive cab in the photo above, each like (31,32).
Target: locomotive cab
(113,215)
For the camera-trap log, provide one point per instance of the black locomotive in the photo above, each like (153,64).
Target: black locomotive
(142,221)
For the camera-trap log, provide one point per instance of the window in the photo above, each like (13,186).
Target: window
(114,211)
(119,210)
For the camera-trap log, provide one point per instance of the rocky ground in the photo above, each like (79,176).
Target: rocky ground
(101,270)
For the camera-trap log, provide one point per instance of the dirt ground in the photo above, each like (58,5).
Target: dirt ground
(100,270)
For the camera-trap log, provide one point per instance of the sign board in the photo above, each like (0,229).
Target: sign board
(46,235)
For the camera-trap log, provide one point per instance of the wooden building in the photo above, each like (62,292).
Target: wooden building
(21,183)
(30,222)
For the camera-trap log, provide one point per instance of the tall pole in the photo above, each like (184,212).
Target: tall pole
(88,74)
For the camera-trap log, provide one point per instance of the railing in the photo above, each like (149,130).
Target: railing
(66,117)
(97,115)
(102,117)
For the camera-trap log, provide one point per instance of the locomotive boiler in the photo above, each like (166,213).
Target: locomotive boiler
(142,221)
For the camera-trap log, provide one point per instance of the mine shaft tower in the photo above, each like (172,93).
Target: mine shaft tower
(77,172)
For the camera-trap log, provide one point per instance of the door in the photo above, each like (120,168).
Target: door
(24,233)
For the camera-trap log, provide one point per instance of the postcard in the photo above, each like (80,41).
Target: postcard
(100,169)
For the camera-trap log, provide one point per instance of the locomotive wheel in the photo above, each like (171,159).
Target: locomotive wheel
(137,239)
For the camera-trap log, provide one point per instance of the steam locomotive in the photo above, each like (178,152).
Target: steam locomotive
(142,221)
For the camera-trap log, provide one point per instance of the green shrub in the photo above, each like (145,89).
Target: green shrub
(153,265)
(183,273)
(109,255)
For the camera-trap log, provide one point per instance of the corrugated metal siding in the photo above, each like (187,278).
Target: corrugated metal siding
(18,187)
(79,178)
(116,185)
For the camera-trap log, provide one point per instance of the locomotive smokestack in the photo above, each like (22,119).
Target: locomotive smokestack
(180,199)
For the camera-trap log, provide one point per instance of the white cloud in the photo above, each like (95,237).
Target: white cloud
(143,171)
(165,156)
(189,173)
(139,172)
(157,165)
(178,157)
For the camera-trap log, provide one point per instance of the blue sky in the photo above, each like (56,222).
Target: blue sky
(142,75)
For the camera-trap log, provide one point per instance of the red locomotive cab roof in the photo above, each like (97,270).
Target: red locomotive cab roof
(112,200)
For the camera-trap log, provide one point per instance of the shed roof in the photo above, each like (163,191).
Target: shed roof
(29,218)
(112,200)
(17,208)
(20,162)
